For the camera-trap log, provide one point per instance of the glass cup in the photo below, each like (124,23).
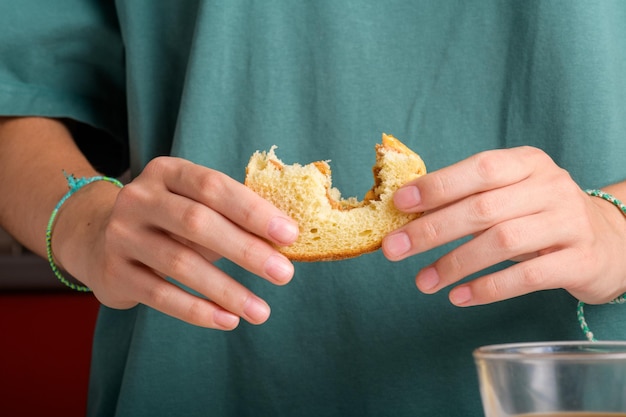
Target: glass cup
(553,379)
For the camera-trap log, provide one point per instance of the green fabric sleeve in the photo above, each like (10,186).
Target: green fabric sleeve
(65,59)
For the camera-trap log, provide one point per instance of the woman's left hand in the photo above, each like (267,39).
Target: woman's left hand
(518,205)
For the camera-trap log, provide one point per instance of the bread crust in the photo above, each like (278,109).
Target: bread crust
(333,228)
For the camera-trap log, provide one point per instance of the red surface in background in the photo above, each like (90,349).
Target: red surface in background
(45,349)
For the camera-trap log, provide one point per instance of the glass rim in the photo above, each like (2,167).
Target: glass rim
(554,351)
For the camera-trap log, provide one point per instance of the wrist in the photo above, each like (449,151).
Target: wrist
(79,226)
(614,209)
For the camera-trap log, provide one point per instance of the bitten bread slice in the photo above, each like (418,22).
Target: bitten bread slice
(331,227)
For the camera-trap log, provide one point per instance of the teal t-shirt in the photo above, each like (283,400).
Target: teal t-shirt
(214,81)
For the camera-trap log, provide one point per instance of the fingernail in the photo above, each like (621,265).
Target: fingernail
(225,319)
(279,269)
(461,295)
(427,279)
(256,310)
(397,244)
(283,230)
(407,197)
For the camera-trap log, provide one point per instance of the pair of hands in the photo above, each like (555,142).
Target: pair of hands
(177,218)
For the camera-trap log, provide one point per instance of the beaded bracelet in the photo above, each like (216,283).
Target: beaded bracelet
(580,311)
(74,184)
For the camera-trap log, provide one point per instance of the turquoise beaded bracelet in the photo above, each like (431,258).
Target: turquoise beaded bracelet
(580,311)
(74,184)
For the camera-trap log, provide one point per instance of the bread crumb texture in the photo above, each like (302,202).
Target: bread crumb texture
(331,227)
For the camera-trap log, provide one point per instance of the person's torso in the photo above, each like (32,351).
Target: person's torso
(215,81)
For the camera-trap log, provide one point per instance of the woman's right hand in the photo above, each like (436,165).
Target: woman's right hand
(175,220)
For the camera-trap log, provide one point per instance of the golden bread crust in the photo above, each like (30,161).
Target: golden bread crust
(333,228)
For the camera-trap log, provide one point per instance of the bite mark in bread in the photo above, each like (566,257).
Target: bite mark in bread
(331,227)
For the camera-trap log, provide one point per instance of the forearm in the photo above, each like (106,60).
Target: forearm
(33,154)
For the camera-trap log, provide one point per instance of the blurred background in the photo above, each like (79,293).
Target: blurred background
(46,332)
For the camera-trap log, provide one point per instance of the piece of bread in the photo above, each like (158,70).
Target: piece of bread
(331,227)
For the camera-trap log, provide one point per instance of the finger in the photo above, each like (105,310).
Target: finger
(554,270)
(230,198)
(147,288)
(481,172)
(470,216)
(504,241)
(173,259)
(207,228)
(208,254)
(166,297)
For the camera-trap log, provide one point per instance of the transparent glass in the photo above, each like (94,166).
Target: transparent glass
(553,379)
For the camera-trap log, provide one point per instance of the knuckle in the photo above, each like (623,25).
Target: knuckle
(488,165)
(225,295)
(212,186)
(180,263)
(252,210)
(251,249)
(532,277)
(157,166)
(534,152)
(452,265)
(507,238)
(485,208)
(438,184)
(562,182)
(231,297)
(159,295)
(199,311)
(493,289)
(533,155)
(193,219)
(431,232)
(129,195)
